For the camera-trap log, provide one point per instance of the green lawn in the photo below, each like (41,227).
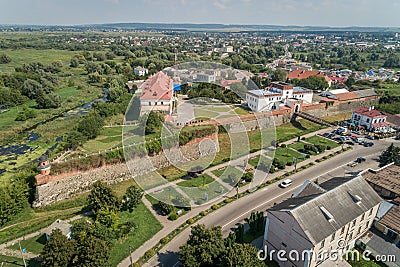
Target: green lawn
(254,161)
(241,111)
(147,227)
(201,180)
(291,130)
(227,172)
(287,155)
(317,140)
(109,137)
(34,245)
(6,261)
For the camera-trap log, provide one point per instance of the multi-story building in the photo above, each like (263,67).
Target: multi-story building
(319,220)
(157,94)
(205,78)
(370,119)
(276,95)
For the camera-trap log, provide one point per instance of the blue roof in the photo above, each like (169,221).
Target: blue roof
(177,87)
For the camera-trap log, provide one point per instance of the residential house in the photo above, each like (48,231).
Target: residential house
(385,181)
(319,219)
(370,119)
(205,78)
(157,94)
(66,228)
(140,71)
(277,95)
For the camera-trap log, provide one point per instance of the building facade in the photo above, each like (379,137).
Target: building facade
(319,220)
(370,119)
(140,71)
(277,95)
(157,94)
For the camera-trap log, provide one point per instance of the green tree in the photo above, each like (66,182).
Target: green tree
(204,247)
(74,63)
(132,198)
(47,100)
(108,218)
(26,114)
(165,207)
(4,59)
(31,88)
(91,125)
(152,122)
(58,250)
(241,255)
(391,154)
(102,197)
(279,75)
(92,252)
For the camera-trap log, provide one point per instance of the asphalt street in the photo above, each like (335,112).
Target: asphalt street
(232,214)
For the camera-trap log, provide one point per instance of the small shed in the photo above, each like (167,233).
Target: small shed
(66,228)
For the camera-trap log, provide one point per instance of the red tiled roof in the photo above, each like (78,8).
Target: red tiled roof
(338,79)
(157,87)
(380,124)
(303,74)
(372,113)
(346,96)
(225,83)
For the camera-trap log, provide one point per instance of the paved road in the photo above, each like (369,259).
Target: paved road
(229,216)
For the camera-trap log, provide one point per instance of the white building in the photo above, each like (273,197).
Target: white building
(370,119)
(140,71)
(320,220)
(277,95)
(157,94)
(205,78)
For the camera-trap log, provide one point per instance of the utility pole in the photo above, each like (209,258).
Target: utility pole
(22,254)
(130,255)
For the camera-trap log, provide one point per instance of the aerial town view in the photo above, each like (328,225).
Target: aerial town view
(232,133)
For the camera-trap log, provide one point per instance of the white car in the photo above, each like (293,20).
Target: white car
(285,183)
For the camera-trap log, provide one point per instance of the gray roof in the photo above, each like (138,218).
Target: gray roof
(65,227)
(365,93)
(340,203)
(381,245)
(308,189)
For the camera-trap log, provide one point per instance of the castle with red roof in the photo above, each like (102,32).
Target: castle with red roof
(157,94)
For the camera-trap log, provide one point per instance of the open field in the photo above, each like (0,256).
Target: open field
(109,137)
(201,180)
(317,140)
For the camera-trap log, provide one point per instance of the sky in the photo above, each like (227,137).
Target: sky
(265,12)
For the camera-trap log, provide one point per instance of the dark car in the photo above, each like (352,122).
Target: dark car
(360,159)
(350,143)
(356,132)
(326,134)
(368,144)
(370,137)
(397,138)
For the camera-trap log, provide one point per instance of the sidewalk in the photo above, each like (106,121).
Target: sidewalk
(169,226)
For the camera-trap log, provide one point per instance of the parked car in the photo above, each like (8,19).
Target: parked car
(326,134)
(397,138)
(367,144)
(356,132)
(350,143)
(348,135)
(352,164)
(370,137)
(285,183)
(360,159)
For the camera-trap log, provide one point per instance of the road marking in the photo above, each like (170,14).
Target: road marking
(259,206)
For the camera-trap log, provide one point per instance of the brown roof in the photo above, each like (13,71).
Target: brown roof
(303,74)
(346,96)
(392,219)
(386,177)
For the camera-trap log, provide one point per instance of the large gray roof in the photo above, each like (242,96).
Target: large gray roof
(365,93)
(340,203)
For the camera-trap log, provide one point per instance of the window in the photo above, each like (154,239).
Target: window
(162,103)
(367,120)
(322,243)
(362,217)
(354,222)
(155,104)
(333,237)
(370,212)
(342,231)
(284,245)
(149,103)
(359,230)
(367,225)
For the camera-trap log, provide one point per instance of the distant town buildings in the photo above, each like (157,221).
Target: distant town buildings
(157,94)
(303,74)
(321,218)
(277,95)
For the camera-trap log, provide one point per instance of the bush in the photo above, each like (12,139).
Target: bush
(164,240)
(227,200)
(283,145)
(190,221)
(173,216)
(214,207)
(203,213)
(150,253)
(289,163)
